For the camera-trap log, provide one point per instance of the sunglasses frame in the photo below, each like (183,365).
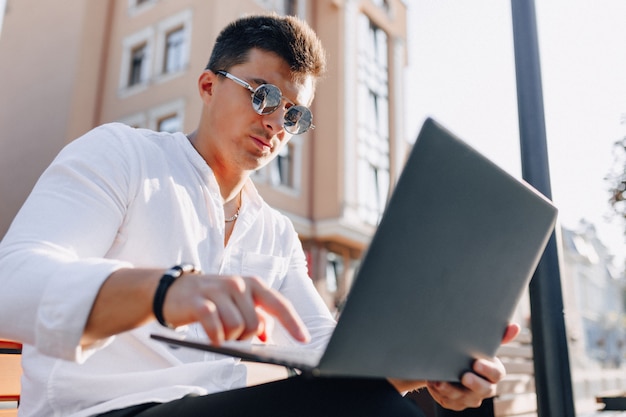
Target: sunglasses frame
(286,122)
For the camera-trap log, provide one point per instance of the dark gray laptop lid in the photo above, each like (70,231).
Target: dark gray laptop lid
(454,251)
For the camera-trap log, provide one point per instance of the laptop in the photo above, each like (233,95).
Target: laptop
(455,249)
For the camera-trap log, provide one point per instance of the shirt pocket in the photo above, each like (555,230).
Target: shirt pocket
(271,269)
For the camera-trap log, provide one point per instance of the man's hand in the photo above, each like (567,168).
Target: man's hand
(229,307)
(475,386)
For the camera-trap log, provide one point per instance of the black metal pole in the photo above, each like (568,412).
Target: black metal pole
(551,358)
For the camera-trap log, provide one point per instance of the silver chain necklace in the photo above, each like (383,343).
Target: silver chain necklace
(234,216)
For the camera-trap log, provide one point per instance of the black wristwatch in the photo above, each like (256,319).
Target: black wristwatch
(165,282)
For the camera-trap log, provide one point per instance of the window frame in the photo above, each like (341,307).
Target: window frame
(180,21)
(157,114)
(269,175)
(149,119)
(155,39)
(129,44)
(284,7)
(276,169)
(139,6)
(373,156)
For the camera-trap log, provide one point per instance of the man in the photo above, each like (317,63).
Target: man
(85,267)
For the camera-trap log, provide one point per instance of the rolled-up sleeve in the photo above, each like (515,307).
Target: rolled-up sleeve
(53,258)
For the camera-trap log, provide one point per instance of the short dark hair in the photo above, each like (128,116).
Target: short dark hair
(290,38)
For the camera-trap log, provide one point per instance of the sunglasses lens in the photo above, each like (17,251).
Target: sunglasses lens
(266,99)
(298,120)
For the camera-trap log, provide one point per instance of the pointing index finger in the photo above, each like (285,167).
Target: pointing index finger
(278,306)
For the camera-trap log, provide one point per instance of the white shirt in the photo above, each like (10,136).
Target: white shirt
(120,197)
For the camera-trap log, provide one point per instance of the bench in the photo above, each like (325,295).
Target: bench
(10,374)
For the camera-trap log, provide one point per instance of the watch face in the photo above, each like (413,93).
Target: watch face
(178,270)
(188,268)
(175,272)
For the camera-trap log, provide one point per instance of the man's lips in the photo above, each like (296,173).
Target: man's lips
(261,142)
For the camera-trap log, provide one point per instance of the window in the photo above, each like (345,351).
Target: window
(136,60)
(283,169)
(291,7)
(175,41)
(137,120)
(170,123)
(137,6)
(156,53)
(373,122)
(285,7)
(334,271)
(168,117)
(138,56)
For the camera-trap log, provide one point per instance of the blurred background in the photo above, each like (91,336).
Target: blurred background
(68,67)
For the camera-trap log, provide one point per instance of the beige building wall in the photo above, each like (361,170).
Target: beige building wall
(64,70)
(40,52)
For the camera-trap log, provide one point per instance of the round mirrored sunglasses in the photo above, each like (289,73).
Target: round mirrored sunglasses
(267,98)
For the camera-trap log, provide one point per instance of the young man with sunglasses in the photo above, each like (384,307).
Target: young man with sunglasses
(86,266)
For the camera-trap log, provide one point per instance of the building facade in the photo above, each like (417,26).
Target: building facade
(66,68)
(594,300)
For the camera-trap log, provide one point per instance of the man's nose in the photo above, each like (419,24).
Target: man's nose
(275,120)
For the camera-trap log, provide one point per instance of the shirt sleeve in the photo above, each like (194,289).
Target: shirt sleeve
(53,258)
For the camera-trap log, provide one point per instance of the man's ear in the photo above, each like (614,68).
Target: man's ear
(206,83)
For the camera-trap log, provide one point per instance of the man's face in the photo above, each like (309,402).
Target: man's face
(241,138)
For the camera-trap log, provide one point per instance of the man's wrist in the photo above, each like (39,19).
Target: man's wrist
(164,285)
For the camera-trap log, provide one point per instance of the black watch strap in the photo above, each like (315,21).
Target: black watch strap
(165,282)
